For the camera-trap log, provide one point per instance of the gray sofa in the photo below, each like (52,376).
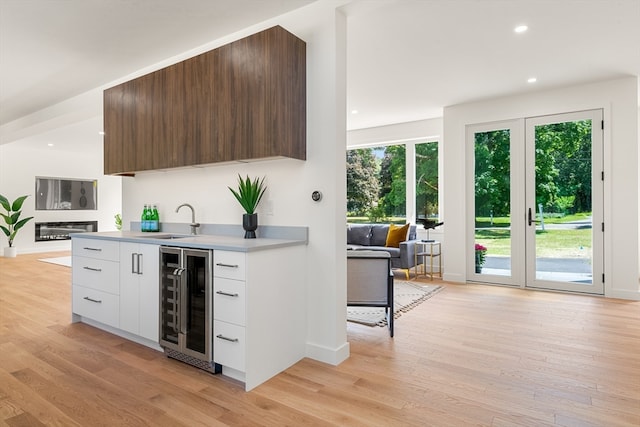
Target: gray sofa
(373,237)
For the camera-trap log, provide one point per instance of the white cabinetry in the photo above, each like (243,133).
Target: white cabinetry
(259,326)
(95,278)
(139,289)
(229,302)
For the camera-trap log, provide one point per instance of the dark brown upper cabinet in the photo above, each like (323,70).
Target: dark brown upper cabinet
(242,101)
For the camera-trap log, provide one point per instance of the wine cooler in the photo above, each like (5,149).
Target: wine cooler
(186,306)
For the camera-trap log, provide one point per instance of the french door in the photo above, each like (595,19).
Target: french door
(537,197)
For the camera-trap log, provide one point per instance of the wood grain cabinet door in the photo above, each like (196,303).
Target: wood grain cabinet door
(242,101)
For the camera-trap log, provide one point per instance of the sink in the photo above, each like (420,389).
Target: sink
(165,236)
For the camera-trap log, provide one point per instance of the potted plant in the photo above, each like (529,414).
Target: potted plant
(118,219)
(249,194)
(481,252)
(12,221)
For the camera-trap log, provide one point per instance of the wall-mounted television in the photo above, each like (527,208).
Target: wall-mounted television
(66,194)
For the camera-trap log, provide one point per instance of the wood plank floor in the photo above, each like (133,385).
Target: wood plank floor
(471,355)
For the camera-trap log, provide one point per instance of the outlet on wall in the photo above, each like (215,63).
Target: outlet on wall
(268,207)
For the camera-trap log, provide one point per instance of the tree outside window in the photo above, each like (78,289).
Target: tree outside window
(427,180)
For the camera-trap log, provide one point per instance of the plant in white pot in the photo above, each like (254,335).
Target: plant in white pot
(12,220)
(249,194)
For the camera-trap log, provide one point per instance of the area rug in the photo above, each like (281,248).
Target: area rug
(63,260)
(406,295)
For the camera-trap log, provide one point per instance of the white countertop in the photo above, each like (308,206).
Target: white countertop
(201,241)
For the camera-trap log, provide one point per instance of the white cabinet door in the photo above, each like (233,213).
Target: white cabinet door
(149,292)
(139,289)
(129,288)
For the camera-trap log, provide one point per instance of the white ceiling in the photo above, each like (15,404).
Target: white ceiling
(407,59)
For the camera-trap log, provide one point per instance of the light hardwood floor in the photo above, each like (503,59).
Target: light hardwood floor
(470,355)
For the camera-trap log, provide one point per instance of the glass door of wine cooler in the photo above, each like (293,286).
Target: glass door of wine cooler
(197,297)
(185,301)
(170,273)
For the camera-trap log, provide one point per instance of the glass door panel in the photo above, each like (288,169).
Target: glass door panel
(170,263)
(198,294)
(564,212)
(492,201)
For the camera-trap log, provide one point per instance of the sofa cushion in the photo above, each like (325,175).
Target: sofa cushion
(394,252)
(397,234)
(379,234)
(358,234)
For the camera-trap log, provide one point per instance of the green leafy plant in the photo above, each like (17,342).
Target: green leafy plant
(118,219)
(12,217)
(249,193)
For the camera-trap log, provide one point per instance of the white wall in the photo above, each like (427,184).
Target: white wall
(619,100)
(22,160)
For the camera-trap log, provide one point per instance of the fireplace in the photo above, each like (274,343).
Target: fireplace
(46,231)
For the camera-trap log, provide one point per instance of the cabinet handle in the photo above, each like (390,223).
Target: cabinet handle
(133,263)
(226,294)
(93,249)
(139,263)
(222,337)
(93,300)
(227,265)
(93,269)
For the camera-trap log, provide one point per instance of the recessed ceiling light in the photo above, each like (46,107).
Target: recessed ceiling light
(532,80)
(354,111)
(50,144)
(521,29)
(101,132)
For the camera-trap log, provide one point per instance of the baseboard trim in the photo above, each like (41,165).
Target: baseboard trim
(332,356)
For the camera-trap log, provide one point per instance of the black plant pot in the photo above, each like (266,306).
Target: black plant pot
(250,224)
(478,269)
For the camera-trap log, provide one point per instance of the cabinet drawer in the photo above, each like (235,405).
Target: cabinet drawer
(96,305)
(229,345)
(96,274)
(95,248)
(230,265)
(229,300)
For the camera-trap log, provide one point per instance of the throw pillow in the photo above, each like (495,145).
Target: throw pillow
(396,235)
(358,234)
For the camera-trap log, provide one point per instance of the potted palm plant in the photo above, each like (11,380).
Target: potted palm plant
(12,221)
(249,194)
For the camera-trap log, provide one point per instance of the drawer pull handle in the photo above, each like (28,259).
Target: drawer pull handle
(227,265)
(93,249)
(93,300)
(226,294)
(222,337)
(93,269)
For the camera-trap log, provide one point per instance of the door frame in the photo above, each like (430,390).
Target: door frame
(518,201)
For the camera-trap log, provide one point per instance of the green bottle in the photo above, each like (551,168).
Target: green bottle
(143,219)
(155,219)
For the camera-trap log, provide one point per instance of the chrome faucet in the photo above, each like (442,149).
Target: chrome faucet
(194,225)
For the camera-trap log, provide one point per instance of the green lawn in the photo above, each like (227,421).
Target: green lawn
(550,243)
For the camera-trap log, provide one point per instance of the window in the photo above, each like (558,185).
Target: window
(377,183)
(427,180)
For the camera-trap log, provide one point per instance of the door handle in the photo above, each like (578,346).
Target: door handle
(530,218)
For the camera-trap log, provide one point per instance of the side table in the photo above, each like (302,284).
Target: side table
(428,249)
